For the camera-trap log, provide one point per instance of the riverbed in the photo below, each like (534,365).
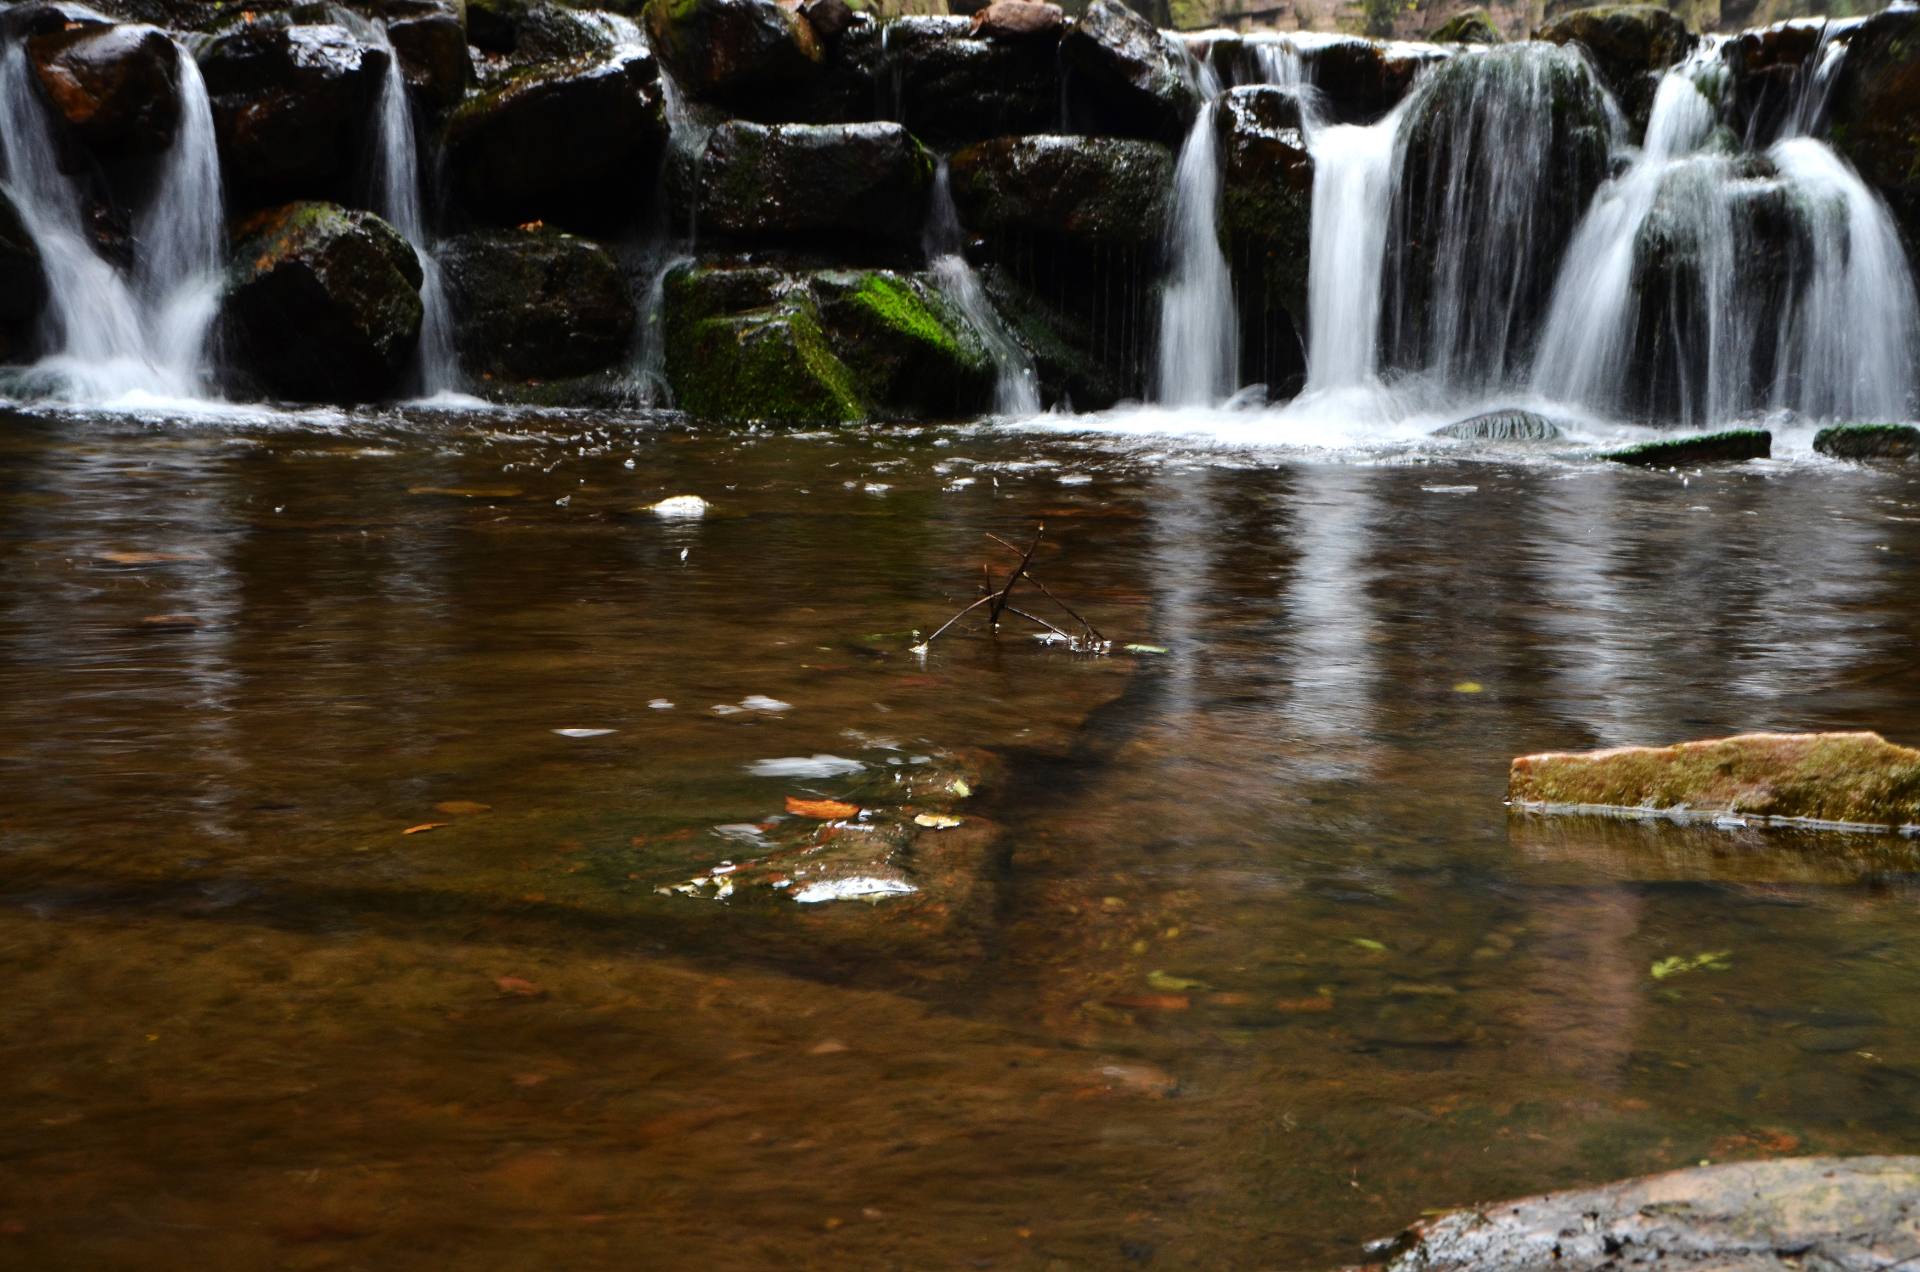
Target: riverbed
(346,756)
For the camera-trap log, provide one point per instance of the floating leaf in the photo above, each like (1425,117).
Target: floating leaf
(822,809)
(1368,943)
(1674,965)
(1318,1003)
(936,821)
(583,733)
(959,787)
(467,492)
(424,827)
(1469,686)
(1146,649)
(1173,984)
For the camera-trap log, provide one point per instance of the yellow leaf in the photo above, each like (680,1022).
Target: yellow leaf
(822,809)
(936,821)
(422,828)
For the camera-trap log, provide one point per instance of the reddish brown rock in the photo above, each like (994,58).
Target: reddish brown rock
(1019,20)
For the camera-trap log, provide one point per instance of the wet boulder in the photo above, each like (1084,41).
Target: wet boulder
(911,353)
(1814,1212)
(1019,20)
(430,39)
(860,187)
(1874,111)
(23,284)
(747,345)
(1502,426)
(1629,46)
(1766,69)
(293,106)
(535,305)
(115,89)
(1361,80)
(322,304)
(1125,78)
(519,33)
(750,56)
(21,22)
(575,143)
(1469,26)
(1730,446)
(1869,442)
(1074,365)
(1266,222)
(952,88)
(1086,192)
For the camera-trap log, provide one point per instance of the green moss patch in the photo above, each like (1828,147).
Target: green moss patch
(1729,447)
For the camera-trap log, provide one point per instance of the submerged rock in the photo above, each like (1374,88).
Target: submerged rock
(1266,219)
(1502,426)
(293,107)
(853,186)
(950,87)
(1729,447)
(1626,43)
(535,305)
(1869,441)
(1125,77)
(746,55)
(322,303)
(1085,191)
(576,143)
(1813,1212)
(1853,778)
(1469,26)
(116,89)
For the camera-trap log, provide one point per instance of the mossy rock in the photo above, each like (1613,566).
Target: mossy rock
(954,89)
(322,303)
(1469,26)
(1853,778)
(1067,358)
(1863,442)
(767,364)
(912,355)
(1732,446)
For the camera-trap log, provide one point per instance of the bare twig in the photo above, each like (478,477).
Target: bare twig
(956,618)
(1020,613)
(1072,613)
(1000,603)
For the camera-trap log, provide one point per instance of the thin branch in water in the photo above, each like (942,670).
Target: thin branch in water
(1072,613)
(993,615)
(950,622)
(1020,613)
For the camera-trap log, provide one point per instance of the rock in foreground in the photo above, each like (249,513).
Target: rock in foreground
(1812,1212)
(1853,778)
(1869,441)
(1730,447)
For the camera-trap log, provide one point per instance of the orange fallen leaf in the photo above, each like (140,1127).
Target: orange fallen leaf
(423,828)
(1151,1002)
(146,558)
(517,985)
(461,807)
(823,809)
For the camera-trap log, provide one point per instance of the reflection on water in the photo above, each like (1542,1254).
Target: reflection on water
(1257,969)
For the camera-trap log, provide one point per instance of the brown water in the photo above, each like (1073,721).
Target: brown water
(1258,967)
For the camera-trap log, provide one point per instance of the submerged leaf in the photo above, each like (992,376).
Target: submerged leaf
(1368,943)
(423,827)
(1173,984)
(936,821)
(821,809)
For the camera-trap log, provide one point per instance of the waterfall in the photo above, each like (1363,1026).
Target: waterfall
(1352,195)
(1199,344)
(658,248)
(1016,391)
(110,335)
(398,200)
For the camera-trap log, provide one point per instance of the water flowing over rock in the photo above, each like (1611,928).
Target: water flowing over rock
(576,143)
(1469,26)
(293,106)
(1016,381)
(912,353)
(1266,215)
(1199,343)
(1502,426)
(1629,45)
(1086,191)
(1126,78)
(345,281)
(860,187)
(1498,157)
(1875,109)
(430,40)
(1865,442)
(115,88)
(535,305)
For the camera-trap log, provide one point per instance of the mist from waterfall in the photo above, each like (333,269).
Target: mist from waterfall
(1016,385)
(112,335)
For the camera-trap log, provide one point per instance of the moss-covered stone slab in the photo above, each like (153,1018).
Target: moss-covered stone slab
(1821,779)
(1809,1212)
(850,187)
(747,346)
(1729,447)
(911,353)
(1865,442)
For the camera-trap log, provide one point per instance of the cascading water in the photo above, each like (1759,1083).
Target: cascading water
(113,336)
(398,200)
(1016,388)
(1199,346)
(660,247)
(1352,194)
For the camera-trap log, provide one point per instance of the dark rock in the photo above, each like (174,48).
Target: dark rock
(1814,1212)
(862,187)
(293,105)
(1469,26)
(1019,20)
(535,305)
(1874,114)
(1869,441)
(752,56)
(116,89)
(911,354)
(23,284)
(1266,219)
(1729,447)
(747,345)
(575,143)
(523,33)
(322,303)
(21,22)
(431,42)
(1766,69)
(828,18)
(1084,191)
(1360,80)
(1124,77)
(1629,45)
(1074,367)
(951,89)
(1502,426)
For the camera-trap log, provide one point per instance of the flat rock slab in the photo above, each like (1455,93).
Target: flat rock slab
(1821,779)
(1731,447)
(1838,1214)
